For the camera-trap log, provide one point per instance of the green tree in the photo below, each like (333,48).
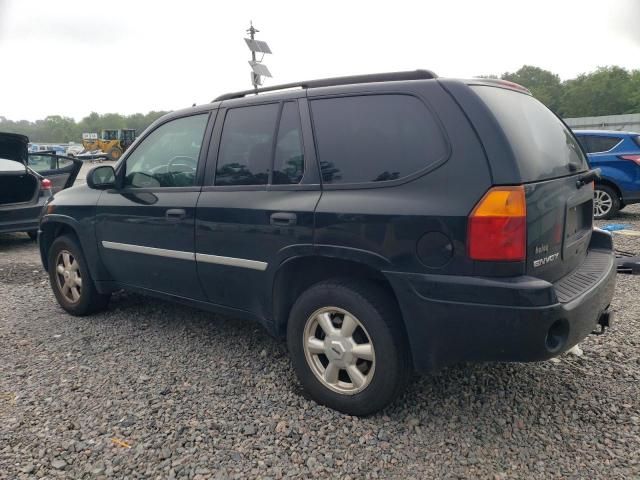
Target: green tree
(543,84)
(634,97)
(607,91)
(58,129)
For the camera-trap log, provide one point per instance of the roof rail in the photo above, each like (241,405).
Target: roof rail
(331,82)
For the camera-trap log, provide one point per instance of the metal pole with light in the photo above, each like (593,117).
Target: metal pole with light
(258,70)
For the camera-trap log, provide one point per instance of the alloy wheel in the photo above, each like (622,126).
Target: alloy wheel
(339,350)
(68,277)
(602,203)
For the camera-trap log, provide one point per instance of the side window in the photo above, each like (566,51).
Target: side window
(597,144)
(603,144)
(246,145)
(582,140)
(64,163)
(288,163)
(41,163)
(168,157)
(374,138)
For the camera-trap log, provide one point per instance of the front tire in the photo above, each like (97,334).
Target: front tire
(70,279)
(115,153)
(606,202)
(348,347)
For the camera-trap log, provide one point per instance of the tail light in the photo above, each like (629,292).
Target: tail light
(45,184)
(498,226)
(633,158)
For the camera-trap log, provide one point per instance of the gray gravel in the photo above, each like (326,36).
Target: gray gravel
(149,389)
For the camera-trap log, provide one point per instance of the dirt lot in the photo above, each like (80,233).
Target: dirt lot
(153,390)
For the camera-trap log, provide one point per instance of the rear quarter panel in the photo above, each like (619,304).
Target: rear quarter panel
(389,221)
(624,173)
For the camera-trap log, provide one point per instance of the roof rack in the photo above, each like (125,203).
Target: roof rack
(331,82)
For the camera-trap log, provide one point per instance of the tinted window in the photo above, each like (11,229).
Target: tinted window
(168,157)
(246,145)
(42,163)
(64,163)
(542,145)
(288,163)
(596,143)
(374,138)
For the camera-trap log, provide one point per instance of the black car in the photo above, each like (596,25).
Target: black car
(27,182)
(383,224)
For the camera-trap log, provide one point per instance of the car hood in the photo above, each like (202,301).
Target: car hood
(14,147)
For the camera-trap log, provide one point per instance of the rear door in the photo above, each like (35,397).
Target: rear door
(257,206)
(542,153)
(61,170)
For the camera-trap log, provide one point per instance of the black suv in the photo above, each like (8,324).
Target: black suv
(381,223)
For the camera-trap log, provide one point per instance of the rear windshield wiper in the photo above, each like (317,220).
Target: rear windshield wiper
(588,177)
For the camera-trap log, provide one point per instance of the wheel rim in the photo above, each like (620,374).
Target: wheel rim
(339,350)
(602,203)
(68,277)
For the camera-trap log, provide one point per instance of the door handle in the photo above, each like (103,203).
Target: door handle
(283,218)
(175,214)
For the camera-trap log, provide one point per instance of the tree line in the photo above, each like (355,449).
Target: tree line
(58,129)
(607,91)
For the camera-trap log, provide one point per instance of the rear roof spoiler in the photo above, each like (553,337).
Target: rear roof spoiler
(496,82)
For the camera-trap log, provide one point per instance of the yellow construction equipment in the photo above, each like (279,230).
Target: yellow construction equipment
(112,143)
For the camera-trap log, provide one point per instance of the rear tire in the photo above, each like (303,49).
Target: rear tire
(606,202)
(70,279)
(363,363)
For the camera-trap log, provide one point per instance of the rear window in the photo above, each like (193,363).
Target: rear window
(543,147)
(597,143)
(375,138)
(637,140)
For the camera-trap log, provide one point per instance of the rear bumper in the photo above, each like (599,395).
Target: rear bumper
(630,197)
(511,320)
(21,218)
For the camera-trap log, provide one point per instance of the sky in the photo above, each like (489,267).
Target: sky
(72,57)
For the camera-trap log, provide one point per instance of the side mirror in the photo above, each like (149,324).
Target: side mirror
(101,177)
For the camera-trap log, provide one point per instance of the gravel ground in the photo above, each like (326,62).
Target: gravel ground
(149,389)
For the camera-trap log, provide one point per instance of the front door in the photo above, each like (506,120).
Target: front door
(145,229)
(259,208)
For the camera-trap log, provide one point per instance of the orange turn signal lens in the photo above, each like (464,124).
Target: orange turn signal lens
(502,202)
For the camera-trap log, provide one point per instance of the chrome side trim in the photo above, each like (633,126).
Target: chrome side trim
(160,252)
(234,262)
(200,257)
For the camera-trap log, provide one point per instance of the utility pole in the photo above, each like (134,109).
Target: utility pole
(258,69)
(255,78)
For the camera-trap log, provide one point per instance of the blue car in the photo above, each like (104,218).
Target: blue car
(617,154)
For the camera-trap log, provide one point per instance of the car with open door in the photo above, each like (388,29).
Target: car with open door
(28,181)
